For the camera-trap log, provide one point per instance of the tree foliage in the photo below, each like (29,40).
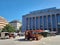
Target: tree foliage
(8,28)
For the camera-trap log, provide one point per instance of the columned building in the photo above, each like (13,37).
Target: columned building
(46,19)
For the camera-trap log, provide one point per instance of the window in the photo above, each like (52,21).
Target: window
(33,23)
(49,21)
(41,25)
(37,23)
(58,20)
(53,22)
(45,22)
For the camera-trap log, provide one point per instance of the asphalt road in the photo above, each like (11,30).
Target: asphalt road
(54,40)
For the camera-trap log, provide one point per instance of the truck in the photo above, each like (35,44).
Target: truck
(4,35)
(33,34)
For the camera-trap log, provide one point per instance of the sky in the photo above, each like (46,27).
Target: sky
(15,9)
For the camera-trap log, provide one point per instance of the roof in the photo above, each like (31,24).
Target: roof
(15,21)
(43,11)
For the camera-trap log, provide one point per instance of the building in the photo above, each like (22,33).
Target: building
(16,24)
(3,22)
(46,19)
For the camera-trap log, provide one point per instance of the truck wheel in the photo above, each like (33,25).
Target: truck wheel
(36,38)
(28,38)
(33,38)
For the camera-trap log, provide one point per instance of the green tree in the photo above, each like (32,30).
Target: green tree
(8,28)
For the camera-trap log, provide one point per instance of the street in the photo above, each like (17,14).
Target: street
(53,40)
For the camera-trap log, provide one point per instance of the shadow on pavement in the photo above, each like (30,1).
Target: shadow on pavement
(22,40)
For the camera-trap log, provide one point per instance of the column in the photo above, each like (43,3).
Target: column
(25,23)
(41,25)
(39,22)
(35,23)
(47,21)
(28,24)
(43,22)
(51,23)
(32,23)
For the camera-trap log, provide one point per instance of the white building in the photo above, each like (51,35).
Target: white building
(16,24)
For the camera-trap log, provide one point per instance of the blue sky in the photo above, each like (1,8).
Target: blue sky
(15,9)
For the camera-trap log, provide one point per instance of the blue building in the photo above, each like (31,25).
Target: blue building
(46,19)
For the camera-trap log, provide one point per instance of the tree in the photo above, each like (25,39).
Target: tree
(8,28)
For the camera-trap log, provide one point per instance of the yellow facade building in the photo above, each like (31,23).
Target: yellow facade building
(3,22)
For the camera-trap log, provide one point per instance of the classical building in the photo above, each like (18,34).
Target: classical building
(46,19)
(16,24)
(3,22)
